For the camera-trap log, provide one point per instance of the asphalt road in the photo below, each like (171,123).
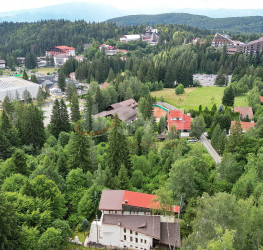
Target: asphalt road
(210,149)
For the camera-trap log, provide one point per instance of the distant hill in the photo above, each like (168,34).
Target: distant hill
(68,11)
(252,24)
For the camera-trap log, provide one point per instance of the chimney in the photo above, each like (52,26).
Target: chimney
(126,201)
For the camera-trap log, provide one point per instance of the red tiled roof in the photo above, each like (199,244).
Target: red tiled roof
(244,112)
(244,125)
(261,98)
(105,85)
(176,113)
(65,48)
(114,199)
(183,124)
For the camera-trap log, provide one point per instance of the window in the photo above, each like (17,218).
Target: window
(130,231)
(145,241)
(124,237)
(141,240)
(130,239)
(136,240)
(124,230)
(136,233)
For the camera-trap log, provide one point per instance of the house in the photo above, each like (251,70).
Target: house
(108,49)
(126,111)
(244,112)
(2,64)
(151,36)
(129,38)
(261,99)
(60,59)
(21,60)
(70,51)
(181,121)
(244,125)
(127,221)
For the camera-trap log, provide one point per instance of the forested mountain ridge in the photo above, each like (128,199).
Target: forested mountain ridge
(250,24)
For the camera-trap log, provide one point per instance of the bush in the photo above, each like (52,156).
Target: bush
(179,89)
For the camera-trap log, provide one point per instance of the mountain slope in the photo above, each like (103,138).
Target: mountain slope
(252,24)
(69,11)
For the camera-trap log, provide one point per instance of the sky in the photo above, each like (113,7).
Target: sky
(10,5)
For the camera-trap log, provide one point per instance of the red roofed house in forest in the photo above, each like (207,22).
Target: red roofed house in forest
(127,221)
(244,112)
(69,51)
(244,125)
(181,121)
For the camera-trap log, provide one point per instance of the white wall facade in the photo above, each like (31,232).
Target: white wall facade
(117,236)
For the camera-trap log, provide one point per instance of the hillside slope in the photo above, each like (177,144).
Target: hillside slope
(253,24)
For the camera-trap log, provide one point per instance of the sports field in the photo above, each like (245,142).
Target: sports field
(193,97)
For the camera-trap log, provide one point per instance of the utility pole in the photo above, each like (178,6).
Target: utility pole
(95,196)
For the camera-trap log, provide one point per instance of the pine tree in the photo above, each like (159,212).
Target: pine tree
(33,127)
(5,124)
(216,137)
(64,117)
(34,78)
(118,153)
(229,96)
(55,119)
(30,61)
(75,113)
(27,96)
(235,138)
(59,118)
(40,97)
(111,75)
(99,100)
(8,105)
(25,76)
(5,146)
(123,182)
(79,152)
(88,113)
(61,81)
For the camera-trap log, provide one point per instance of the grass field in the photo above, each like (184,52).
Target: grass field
(45,70)
(193,97)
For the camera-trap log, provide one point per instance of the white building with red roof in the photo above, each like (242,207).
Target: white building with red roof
(57,50)
(127,221)
(181,122)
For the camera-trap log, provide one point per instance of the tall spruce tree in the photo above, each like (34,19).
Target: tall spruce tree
(30,61)
(118,152)
(88,112)
(64,117)
(61,81)
(229,96)
(33,78)
(33,127)
(99,99)
(75,113)
(79,152)
(59,118)
(55,119)
(25,76)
